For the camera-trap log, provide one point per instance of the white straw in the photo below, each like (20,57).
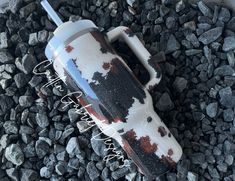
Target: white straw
(51,12)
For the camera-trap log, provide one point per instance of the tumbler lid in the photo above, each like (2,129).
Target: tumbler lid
(66,33)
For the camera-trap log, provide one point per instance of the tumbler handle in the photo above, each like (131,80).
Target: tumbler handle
(140,51)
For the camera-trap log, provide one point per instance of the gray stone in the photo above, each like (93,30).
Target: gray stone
(130,176)
(13,174)
(5,75)
(6,103)
(225,91)
(159,57)
(4,141)
(224,70)
(204,9)
(120,173)
(211,35)
(27,10)
(68,131)
(170,69)
(5,56)
(227,101)
(14,154)
(26,101)
(45,172)
(157,29)
(5,83)
(212,109)
(35,80)
(3,40)
(170,22)
(193,39)
(28,175)
(228,147)
(164,10)
(84,126)
(204,26)
(179,6)
(152,15)
(42,36)
(197,158)
(231,58)
(42,148)
(229,159)
(29,150)
(231,24)
(127,16)
(73,115)
(228,115)
(130,2)
(190,25)
(180,84)
(10,68)
(21,80)
(224,15)
(28,63)
(92,171)
(33,39)
(193,52)
(114,166)
(10,127)
(165,103)
(207,53)
(229,43)
(172,44)
(73,147)
(222,167)
(74,163)
(217,151)
(170,176)
(62,156)
(213,172)
(98,144)
(60,168)
(215,46)
(42,120)
(14,5)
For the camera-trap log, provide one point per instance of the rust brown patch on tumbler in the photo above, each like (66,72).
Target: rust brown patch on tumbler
(69,48)
(131,134)
(146,146)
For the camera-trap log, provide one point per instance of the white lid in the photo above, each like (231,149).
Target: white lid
(64,32)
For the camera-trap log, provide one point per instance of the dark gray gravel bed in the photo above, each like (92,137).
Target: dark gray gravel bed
(194,45)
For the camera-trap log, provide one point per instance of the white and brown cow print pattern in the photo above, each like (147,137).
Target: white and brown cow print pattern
(121,107)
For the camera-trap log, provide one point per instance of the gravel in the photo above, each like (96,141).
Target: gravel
(212,109)
(5,56)
(73,147)
(42,120)
(14,154)
(194,46)
(229,43)
(165,103)
(211,35)
(92,171)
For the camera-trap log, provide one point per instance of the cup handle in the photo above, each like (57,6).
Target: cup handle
(140,51)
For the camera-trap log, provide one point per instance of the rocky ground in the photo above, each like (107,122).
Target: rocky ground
(194,45)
